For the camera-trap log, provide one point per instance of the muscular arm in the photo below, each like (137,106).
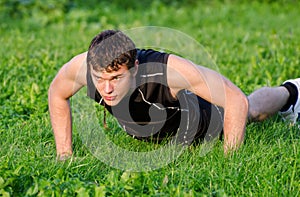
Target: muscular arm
(70,78)
(215,88)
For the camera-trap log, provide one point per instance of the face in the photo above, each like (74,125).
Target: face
(115,85)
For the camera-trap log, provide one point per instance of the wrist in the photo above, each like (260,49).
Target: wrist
(64,156)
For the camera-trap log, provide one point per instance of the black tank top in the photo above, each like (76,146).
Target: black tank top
(151,111)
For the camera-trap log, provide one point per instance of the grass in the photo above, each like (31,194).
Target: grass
(254,44)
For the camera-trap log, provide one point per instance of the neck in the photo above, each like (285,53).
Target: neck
(133,86)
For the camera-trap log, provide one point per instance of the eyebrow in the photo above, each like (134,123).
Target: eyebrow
(97,76)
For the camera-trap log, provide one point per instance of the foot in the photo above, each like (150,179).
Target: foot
(292,115)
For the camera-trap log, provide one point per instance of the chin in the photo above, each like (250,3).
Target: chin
(112,103)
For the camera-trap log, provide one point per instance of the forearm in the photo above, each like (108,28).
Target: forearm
(60,115)
(235,119)
(70,79)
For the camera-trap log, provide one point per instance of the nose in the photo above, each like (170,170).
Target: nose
(108,87)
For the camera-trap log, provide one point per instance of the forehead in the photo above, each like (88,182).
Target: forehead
(104,72)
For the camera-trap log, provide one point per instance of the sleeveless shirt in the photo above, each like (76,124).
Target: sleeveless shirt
(151,112)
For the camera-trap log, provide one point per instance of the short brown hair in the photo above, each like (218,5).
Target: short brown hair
(109,50)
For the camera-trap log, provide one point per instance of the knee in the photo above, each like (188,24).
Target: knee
(256,114)
(262,104)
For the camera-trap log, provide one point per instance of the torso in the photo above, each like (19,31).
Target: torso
(153,109)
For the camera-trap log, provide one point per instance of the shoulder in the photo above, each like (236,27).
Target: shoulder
(75,69)
(150,55)
(183,73)
(70,78)
(182,66)
(79,59)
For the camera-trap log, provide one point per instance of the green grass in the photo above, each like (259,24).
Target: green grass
(254,45)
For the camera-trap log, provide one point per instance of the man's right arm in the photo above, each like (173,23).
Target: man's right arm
(70,78)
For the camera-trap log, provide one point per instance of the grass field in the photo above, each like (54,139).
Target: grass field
(253,44)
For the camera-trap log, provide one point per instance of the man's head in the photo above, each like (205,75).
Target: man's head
(110,58)
(111,49)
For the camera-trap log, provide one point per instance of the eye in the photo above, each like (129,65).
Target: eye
(99,79)
(116,78)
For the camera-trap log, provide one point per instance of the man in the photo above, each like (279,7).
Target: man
(154,95)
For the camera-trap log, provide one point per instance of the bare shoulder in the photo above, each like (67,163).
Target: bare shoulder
(181,73)
(204,82)
(184,66)
(75,69)
(70,78)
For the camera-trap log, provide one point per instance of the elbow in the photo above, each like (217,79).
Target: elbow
(236,98)
(50,97)
(246,104)
(50,92)
(237,101)
(243,103)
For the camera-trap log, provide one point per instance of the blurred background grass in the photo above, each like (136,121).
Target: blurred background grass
(256,39)
(254,43)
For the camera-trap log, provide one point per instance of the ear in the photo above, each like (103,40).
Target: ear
(135,68)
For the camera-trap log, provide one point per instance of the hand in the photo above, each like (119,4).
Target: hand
(64,157)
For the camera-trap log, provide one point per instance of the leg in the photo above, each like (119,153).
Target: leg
(266,101)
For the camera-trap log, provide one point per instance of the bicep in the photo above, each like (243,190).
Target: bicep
(204,82)
(70,78)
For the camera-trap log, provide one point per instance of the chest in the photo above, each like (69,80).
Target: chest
(149,103)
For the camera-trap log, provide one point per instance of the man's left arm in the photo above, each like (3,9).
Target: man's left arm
(215,88)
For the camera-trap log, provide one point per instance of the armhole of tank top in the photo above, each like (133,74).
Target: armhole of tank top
(166,58)
(91,88)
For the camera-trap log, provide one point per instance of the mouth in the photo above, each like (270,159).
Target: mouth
(109,98)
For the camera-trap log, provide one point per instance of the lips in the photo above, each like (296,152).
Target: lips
(109,98)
